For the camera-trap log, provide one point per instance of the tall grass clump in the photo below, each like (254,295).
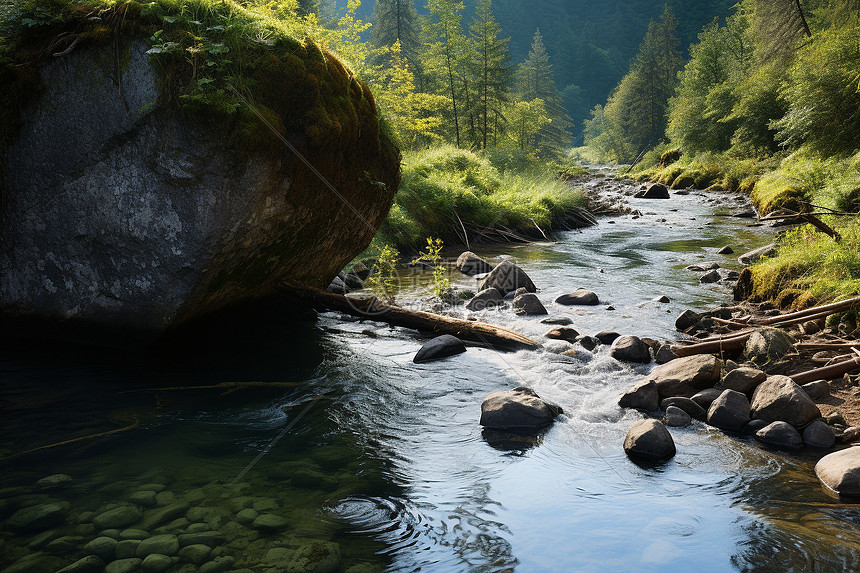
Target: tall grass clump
(455,194)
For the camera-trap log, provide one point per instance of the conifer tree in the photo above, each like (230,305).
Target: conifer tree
(397,21)
(449,46)
(491,71)
(536,81)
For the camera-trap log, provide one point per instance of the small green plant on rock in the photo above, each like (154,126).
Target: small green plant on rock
(384,281)
(433,255)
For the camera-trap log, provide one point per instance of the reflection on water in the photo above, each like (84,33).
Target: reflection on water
(371,462)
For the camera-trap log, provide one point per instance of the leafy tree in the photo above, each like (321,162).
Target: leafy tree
(525,120)
(491,72)
(536,81)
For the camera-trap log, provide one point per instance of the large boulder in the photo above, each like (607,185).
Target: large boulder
(779,399)
(529,304)
(508,277)
(641,396)
(686,376)
(767,345)
(654,191)
(819,435)
(840,471)
(563,333)
(471,264)
(649,440)
(129,208)
(630,349)
(731,411)
(518,409)
(706,397)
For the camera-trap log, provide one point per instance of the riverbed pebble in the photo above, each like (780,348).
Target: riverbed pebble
(316,557)
(39,517)
(103,547)
(197,553)
(650,440)
(165,544)
(88,564)
(157,563)
(125,565)
(55,481)
(269,522)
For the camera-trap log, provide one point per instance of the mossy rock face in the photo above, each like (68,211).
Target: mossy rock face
(125,208)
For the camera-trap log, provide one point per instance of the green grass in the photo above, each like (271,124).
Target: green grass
(444,189)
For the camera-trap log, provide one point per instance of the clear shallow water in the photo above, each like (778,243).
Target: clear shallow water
(388,461)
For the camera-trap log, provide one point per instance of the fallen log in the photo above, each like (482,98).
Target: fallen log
(713,346)
(827,372)
(376,310)
(810,313)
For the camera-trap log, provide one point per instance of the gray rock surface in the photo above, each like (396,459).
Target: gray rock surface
(606,336)
(649,440)
(780,434)
(558,321)
(641,396)
(817,390)
(508,277)
(164,544)
(520,408)
(126,213)
(486,299)
(88,564)
(819,435)
(676,417)
(471,264)
(686,376)
(767,345)
(563,333)
(687,319)
(665,353)
(630,349)
(38,517)
(438,348)
(529,304)
(840,471)
(706,397)
(316,557)
(580,297)
(731,411)
(751,257)
(742,379)
(689,406)
(779,399)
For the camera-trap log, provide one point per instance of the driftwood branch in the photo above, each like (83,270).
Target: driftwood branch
(811,313)
(376,310)
(131,426)
(827,372)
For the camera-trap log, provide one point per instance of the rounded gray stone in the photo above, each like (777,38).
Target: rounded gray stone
(676,417)
(164,544)
(731,411)
(118,517)
(819,435)
(649,439)
(197,553)
(780,434)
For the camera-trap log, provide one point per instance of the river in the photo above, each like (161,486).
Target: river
(368,462)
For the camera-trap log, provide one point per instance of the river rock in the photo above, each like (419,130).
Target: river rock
(731,411)
(650,440)
(316,557)
(692,409)
(780,434)
(579,297)
(606,336)
(676,417)
(630,349)
(508,277)
(438,348)
(641,396)
(778,398)
(88,564)
(686,376)
(589,342)
(128,211)
(529,304)
(218,565)
(197,553)
(562,333)
(165,544)
(654,191)
(157,563)
(687,319)
(754,426)
(518,409)
(126,549)
(817,390)
(133,534)
(558,321)
(710,277)
(352,281)
(39,517)
(471,264)
(752,256)
(65,544)
(706,397)
(208,538)
(103,547)
(337,286)
(727,250)
(840,471)
(246,517)
(55,481)
(767,345)
(486,299)
(158,517)
(742,379)
(270,522)
(129,565)
(819,435)
(144,498)
(665,353)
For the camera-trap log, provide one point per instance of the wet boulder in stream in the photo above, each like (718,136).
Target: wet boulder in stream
(529,304)
(630,349)
(731,411)
(780,434)
(654,191)
(649,440)
(438,348)
(580,297)
(508,277)
(486,299)
(518,409)
(471,264)
(686,376)
(840,471)
(641,396)
(779,398)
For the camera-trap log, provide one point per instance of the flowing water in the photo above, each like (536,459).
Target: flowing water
(358,460)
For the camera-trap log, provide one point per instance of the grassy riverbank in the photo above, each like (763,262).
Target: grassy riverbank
(455,194)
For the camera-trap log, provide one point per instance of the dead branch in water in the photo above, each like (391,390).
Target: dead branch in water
(131,426)
(376,310)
